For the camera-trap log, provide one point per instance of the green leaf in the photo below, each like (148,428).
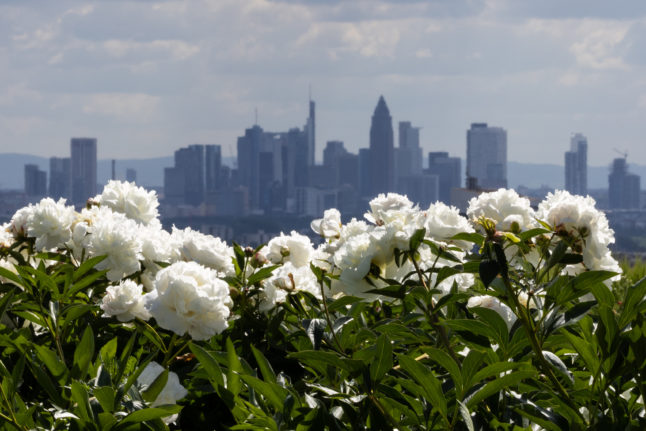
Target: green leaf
(488,270)
(271,391)
(82,400)
(261,274)
(209,364)
(53,363)
(446,362)
(85,282)
(83,353)
(148,414)
(497,385)
(315,328)
(342,302)
(233,377)
(558,364)
(466,416)
(495,321)
(430,385)
(5,273)
(105,395)
(87,266)
(383,359)
(416,239)
(585,351)
(322,358)
(397,291)
(151,393)
(634,296)
(491,370)
(473,237)
(268,374)
(472,326)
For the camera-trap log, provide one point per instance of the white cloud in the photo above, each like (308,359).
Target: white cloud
(124,106)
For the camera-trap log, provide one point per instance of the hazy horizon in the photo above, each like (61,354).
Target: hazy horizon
(148,77)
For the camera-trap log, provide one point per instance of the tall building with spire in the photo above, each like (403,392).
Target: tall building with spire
(382,163)
(576,165)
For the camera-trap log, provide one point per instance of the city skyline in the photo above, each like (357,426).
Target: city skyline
(177,73)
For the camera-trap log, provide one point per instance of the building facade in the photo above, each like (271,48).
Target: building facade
(486,156)
(576,165)
(83,170)
(382,163)
(624,188)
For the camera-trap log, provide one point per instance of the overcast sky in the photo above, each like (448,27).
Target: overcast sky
(147,77)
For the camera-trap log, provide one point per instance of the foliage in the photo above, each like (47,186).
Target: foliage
(526,344)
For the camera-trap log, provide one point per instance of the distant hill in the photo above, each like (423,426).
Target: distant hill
(150,172)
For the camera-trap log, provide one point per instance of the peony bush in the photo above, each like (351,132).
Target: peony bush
(410,319)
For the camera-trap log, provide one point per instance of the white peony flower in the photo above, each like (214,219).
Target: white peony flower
(204,249)
(387,207)
(50,223)
(126,198)
(170,394)
(6,238)
(505,207)
(486,301)
(330,225)
(189,297)
(578,217)
(294,248)
(285,279)
(125,301)
(18,223)
(443,222)
(100,231)
(157,245)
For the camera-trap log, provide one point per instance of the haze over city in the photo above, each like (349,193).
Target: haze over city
(146,78)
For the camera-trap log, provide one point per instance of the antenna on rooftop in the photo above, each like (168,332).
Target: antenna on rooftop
(256,115)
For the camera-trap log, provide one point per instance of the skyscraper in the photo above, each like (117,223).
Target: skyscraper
(576,165)
(35,181)
(409,153)
(83,169)
(448,171)
(624,188)
(310,130)
(60,177)
(487,156)
(213,165)
(382,165)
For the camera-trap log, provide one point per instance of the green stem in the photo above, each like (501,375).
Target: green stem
(527,322)
(169,350)
(13,420)
(329,319)
(435,322)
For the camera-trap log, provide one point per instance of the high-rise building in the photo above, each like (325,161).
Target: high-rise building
(83,169)
(35,181)
(576,165)
(60,177)
(310,131)
(409,153)
(447,170)
(190,161)
(486,156)
(213,166)
(382,165)
(131,175)
(624,188)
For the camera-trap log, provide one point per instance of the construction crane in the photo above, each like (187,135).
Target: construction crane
(623,153)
